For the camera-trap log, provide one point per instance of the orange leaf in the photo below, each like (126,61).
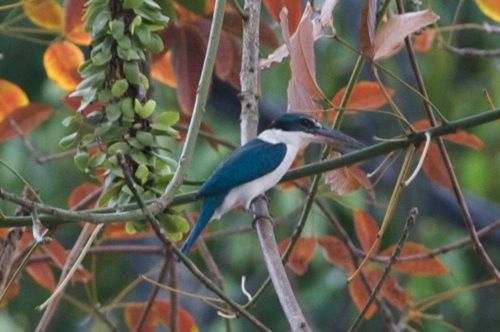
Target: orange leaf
(11,98)
(366,95)
(82,192)
(359,295)
(44,13)
(422,267)
(294,8)
(301,255)
(459,137)
(10,294)
(160,313)
(366,229)
(187,60)
(434,167)
(118,232)
(163,71)
(27,118)
(61,61)
(59,255)
(345,180)
(490,8)
(42,275)
(390,290)
(74,25)
(336,252)
(423,42)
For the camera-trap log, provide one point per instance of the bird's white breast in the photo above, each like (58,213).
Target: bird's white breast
(244,194)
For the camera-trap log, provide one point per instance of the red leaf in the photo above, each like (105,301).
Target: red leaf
(434,167)
(294,8)
(61,61)
(82,192)
(160,313)
(301,254)
(12,97)
(459,137)
(367,27)
(59,256)
(336,252)
(11,293)
(366,229)
(422,267)
(300,101)
(27,118)
(390,290)
(423,42)
(187,60)
(345,180)
(74,24)
(42,274)
(366,95)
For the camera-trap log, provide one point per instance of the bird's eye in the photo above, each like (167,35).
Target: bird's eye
(307,123)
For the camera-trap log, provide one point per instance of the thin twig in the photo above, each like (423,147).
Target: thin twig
(174,298)
(410,221)
(472,52)
(469,223)
(154,293)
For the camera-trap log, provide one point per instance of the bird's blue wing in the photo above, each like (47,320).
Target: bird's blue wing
(247,163)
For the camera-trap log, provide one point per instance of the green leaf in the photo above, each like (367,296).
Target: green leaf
(131,71)
(69,140)
(197,6)
(142,173)
(145,110)
(117,28)
(118,147)
(131,4)
(81,159)
(167,119)
(145,138)
(119,88)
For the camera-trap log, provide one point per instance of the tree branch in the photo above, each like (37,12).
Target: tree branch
(55,216)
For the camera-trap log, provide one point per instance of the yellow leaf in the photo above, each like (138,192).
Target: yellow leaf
(61,61)
(11,98)
(44,13)
(490,8)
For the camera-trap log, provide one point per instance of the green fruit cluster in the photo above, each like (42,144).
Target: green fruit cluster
(116,76)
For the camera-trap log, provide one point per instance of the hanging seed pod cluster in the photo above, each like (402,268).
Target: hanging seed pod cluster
(117,77)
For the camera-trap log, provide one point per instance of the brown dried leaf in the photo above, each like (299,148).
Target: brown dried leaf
(366,229)
(301,254)
(82,192)
(336,252)
(345,180)
(59,256)
(392,33)
(422,267)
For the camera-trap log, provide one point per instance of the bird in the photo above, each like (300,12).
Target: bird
(259,165)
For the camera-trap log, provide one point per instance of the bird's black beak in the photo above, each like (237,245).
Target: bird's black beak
(340,142)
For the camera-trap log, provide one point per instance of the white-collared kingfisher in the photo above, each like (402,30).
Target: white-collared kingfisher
(260,164)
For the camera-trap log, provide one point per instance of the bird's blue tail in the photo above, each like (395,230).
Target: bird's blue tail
(210,204)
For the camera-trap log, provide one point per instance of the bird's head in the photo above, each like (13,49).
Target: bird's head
(306,129)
